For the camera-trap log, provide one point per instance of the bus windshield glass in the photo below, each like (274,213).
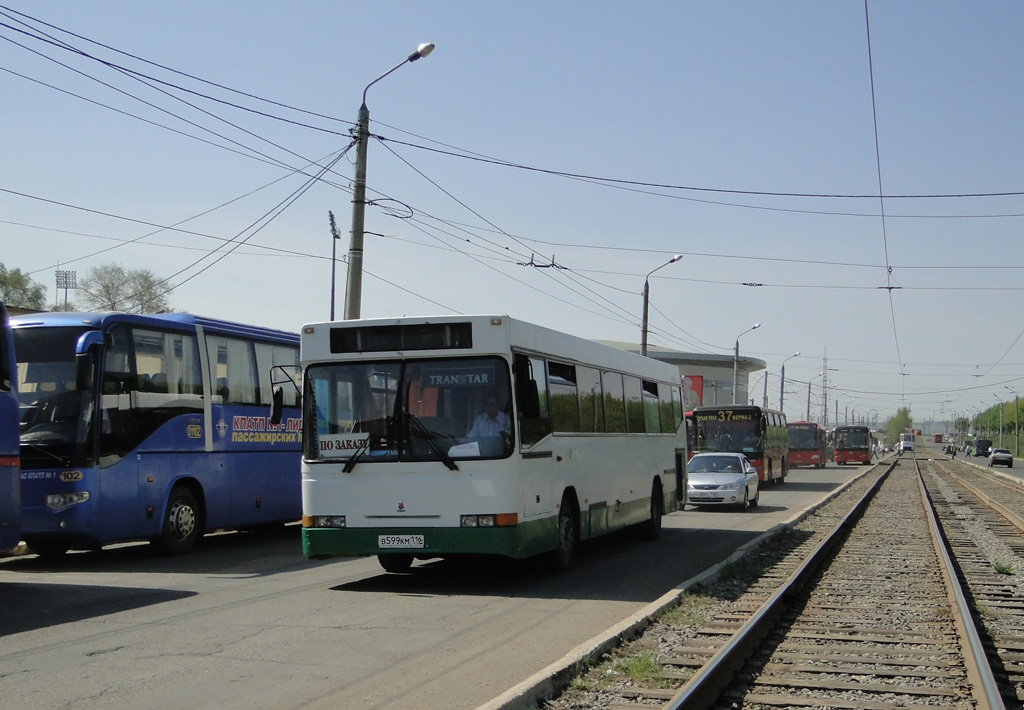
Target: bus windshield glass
(803,437)
(846,439)
(55,416)
(739,433)
(442,409)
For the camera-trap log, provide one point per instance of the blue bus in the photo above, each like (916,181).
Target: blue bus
(154,428)
(10,467)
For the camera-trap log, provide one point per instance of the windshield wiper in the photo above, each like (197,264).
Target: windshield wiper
(428,437)
(354,459)
(64,461)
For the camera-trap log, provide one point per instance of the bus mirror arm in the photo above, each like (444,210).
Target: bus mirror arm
(277,405)
(84,361)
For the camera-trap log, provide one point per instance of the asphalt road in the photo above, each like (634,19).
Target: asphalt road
(247,622)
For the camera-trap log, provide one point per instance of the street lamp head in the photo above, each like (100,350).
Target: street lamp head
(675,258)
(422,51)
(756,326)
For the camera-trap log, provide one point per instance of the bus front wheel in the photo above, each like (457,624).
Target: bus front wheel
(559,559)
(182,526)
(48,548)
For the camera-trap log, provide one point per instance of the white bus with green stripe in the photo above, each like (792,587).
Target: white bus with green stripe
(467,435)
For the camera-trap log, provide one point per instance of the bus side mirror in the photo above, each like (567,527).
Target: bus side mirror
(90,342)
(277,407)
(84,372)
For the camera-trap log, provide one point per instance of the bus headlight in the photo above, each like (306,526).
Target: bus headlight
(62,501)
(329,521)
(489,520)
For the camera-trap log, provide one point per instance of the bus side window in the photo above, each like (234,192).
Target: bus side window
(531,399)
(234,365)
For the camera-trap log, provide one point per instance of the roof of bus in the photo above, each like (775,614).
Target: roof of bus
(180,321)
(521,334)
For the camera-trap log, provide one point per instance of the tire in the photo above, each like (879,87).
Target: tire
(651,528)
(183,523)
(48,549)
(757,498)
(745,505)
(560,558)
(396,562)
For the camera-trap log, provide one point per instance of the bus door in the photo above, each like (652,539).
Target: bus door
(536,457)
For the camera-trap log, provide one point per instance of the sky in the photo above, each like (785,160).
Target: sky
(847,175)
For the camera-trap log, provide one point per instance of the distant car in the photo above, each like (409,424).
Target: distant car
(1001,457)
(982,447)
(722,479)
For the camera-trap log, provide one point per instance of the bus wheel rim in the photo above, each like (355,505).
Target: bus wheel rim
(182,520)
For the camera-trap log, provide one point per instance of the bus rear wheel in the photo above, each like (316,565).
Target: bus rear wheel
(182,526)
(650,529)
(395,562)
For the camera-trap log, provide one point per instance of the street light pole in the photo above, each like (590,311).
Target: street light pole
(354,285)
(1016,422)
(647,294)
(782,380)
(809,393)
(736,360)
(1000,420)
(335,236)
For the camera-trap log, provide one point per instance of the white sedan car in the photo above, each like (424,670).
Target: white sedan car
(1000,457)
(722,479)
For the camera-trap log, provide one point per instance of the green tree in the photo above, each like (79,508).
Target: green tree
(111,287)
(19,290)
(897,424)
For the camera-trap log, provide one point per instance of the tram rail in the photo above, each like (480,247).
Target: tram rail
(870,613)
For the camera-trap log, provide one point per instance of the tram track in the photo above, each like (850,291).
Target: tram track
(882,624)
(983,524)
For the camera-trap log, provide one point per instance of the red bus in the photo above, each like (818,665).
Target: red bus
(757,433)
(806,445)
(852,444)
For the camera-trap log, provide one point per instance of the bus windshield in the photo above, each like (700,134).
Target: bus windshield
(741,435)
(803,437)
(55,416)
(441,409)
(847,439)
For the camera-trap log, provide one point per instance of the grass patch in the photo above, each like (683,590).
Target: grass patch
(643,669)
(1004,569)
(692,611)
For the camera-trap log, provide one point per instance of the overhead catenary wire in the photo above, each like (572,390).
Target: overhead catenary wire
(768,284)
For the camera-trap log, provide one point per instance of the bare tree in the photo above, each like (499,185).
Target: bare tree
(111,287)
(18,289)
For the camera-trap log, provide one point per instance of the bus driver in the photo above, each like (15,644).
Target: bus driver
(491,422)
